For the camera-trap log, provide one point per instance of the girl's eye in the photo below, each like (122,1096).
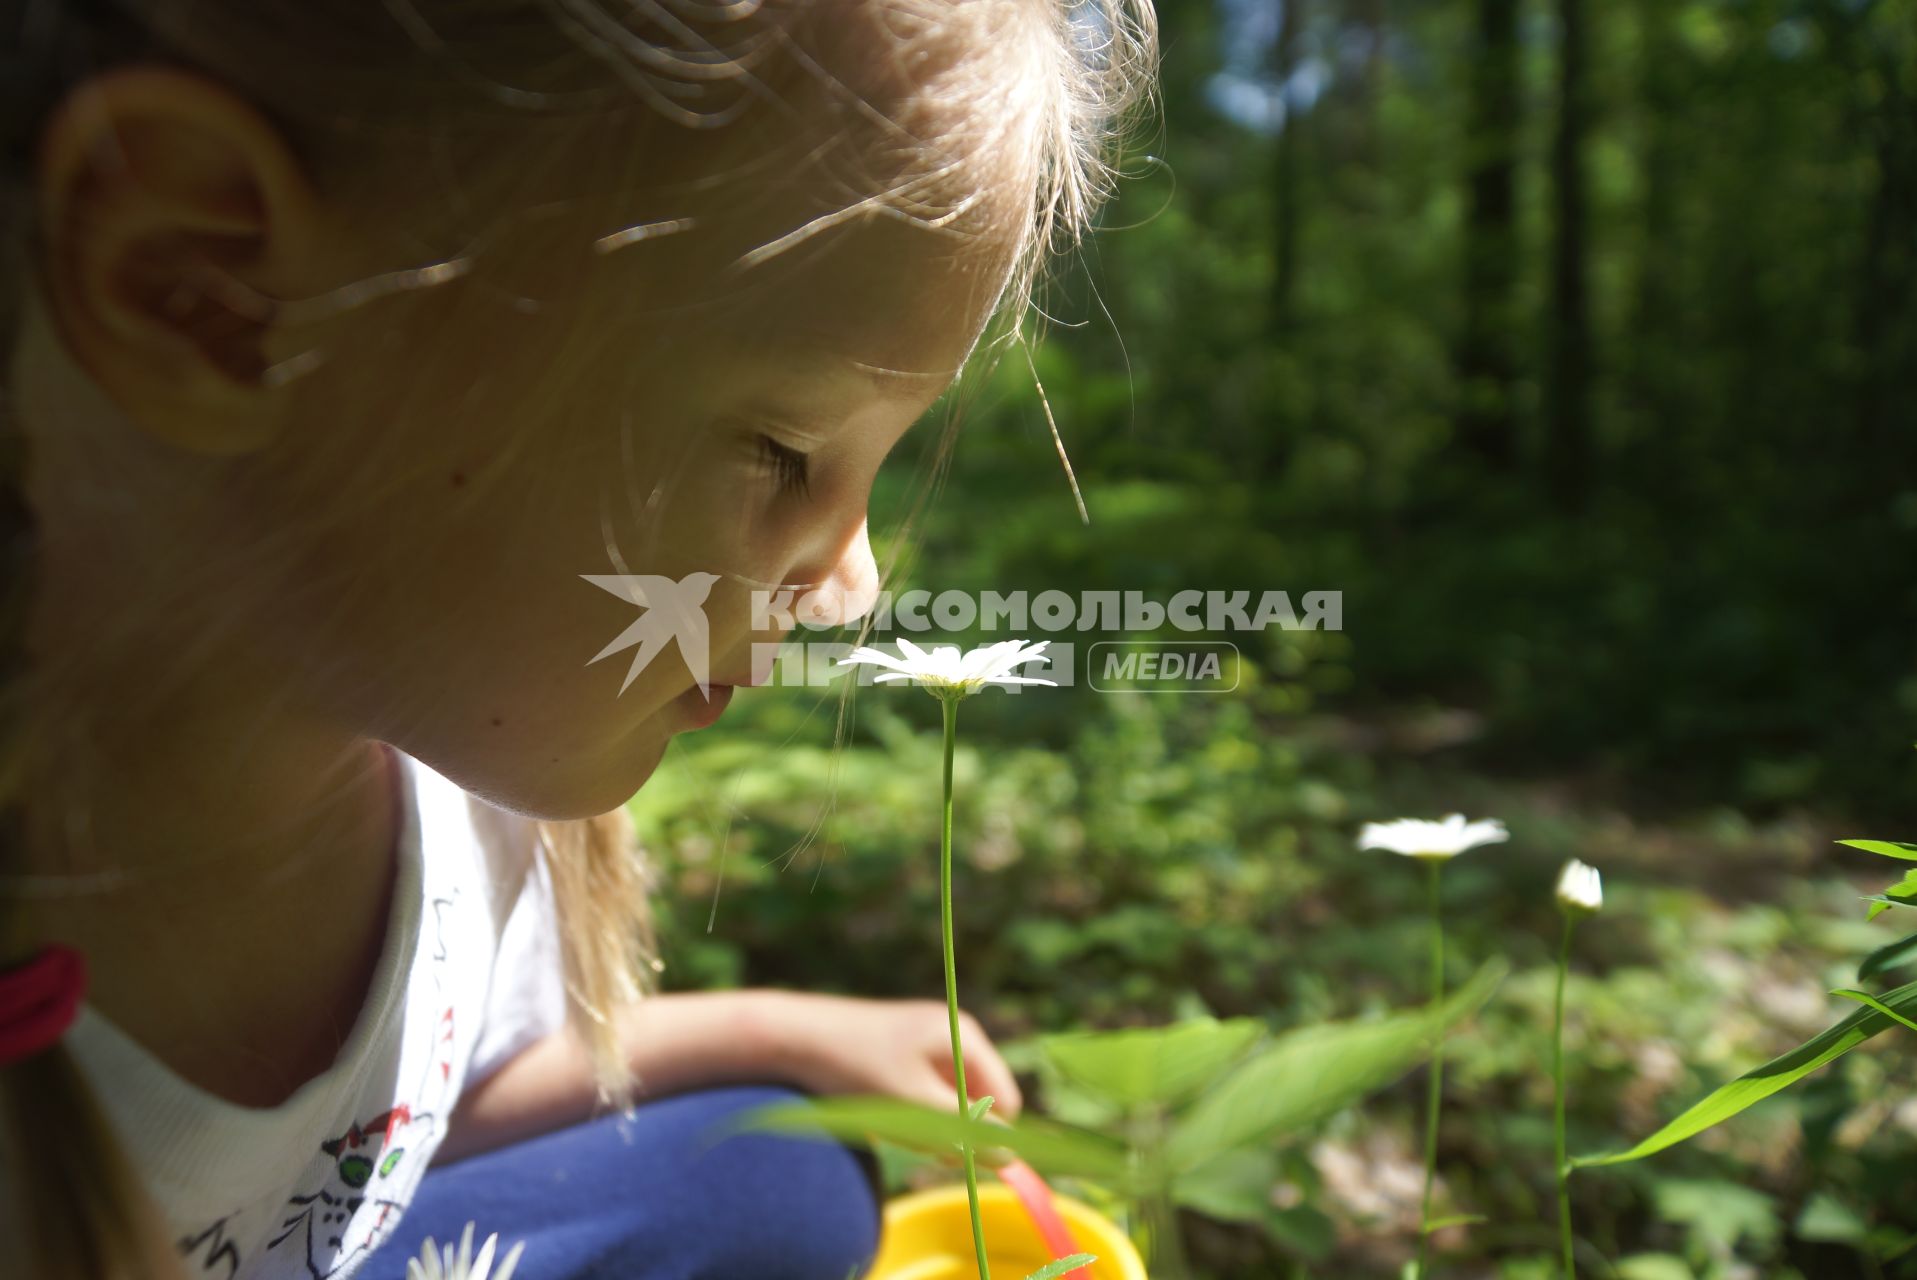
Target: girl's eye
(792,469)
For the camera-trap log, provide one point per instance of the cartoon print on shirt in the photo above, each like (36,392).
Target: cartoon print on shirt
(364,1158)
(438,908)
(443,1045)
(442,1054)
(410,1133)
(372,1155)
(218,1249)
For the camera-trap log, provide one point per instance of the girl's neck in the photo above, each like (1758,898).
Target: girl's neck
(220,850)
(235,944)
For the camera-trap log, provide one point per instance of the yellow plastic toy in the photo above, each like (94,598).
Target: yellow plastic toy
(927,1235)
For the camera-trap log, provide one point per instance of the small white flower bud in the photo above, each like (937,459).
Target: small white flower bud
(1580,888)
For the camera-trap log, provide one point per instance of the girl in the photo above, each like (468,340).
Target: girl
(346,340)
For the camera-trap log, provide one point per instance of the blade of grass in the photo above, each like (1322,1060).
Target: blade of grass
(1779,1073)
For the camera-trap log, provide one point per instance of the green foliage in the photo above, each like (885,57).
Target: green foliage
(1662,670)
(1184,863)
(1827,1219)
(1654,1266)
(1872,1002)
(1888,848)
(1158,1065)
(1308,1074)
(1717,1216)
(1901,894)
(1214,1153)
(1748,168)
(1779,1073)
(1047,1146)
(1884,959)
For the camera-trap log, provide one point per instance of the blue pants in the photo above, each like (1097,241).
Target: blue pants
(652,1196)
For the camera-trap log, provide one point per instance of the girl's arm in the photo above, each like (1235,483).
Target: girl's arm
(820,1044)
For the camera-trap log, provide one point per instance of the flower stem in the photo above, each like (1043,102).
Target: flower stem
(950,705)
(1557,1117)
(1436,870)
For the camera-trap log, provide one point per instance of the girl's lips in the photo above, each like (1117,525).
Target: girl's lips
(700,710)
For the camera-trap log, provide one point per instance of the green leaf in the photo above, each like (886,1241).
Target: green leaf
(1654,1266)
(978,1109)
(1304,1230)
(1163,1065)
(1052,1270)
(1891,1252)
(1454,1220)
(1829,1220)
(1884,959)
(1311,1073)
(1901,894)
(1051,1148)
(1232,1187)
(1719,1214)
(1888,848)
(1754,1086)
(1865,998)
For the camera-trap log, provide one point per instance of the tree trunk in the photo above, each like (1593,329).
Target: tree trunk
(1287,199)
(1568,452)
(1654,351)
(1886,310)
(1364,21)
(1487,356)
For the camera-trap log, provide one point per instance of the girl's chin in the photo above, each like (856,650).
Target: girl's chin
(569,790)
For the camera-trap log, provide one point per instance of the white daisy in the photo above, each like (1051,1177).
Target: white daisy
(1580,887)
(945,672)
(435,1263)
(1419,838)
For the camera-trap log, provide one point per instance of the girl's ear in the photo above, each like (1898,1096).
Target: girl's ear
(172,218)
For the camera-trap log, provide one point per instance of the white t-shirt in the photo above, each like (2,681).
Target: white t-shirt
(468,976)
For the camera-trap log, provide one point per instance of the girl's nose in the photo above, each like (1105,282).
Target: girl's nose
(848,592)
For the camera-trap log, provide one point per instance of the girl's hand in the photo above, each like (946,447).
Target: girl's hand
(901,1048)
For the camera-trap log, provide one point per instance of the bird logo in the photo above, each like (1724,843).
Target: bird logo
(674,614)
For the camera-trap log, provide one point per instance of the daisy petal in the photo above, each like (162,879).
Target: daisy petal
(483,1260)
(872,656)
(947,671)
(1421,838)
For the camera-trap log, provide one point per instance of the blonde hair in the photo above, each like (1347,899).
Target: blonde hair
(344,84)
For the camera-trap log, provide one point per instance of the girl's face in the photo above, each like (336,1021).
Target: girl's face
(464,455)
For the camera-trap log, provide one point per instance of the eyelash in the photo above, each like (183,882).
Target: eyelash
(792,469)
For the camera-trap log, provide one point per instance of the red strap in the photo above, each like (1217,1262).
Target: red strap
(38,1002)
(1037,1199)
